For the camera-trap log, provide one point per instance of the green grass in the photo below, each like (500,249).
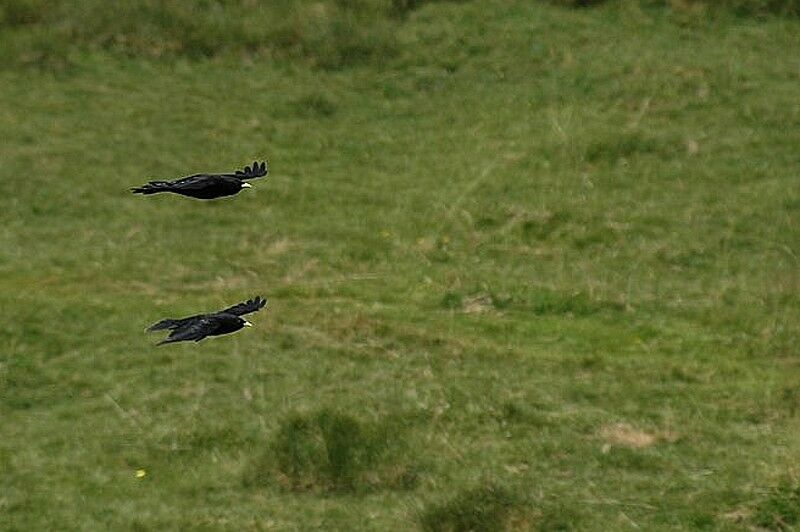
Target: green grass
(334,452)
(330,33)
(481,509)
(538,262)
(781,509)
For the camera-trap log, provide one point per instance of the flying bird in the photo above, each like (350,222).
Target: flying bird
(207,186)
(195,328)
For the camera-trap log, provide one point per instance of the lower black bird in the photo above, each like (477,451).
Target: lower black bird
(197,327)
(207,186)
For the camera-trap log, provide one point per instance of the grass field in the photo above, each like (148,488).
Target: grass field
(530,268)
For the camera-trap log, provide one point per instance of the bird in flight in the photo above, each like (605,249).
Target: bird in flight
(195,328)
(207,186)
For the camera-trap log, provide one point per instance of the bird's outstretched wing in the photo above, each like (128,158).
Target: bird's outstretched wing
(251,305)
(196,330)
(252,172)
(192,182)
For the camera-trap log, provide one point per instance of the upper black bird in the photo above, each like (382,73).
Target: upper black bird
(198,327)
(207,186)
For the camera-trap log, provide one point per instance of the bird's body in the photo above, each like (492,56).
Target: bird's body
(200,326)
(201,186)
(206,186)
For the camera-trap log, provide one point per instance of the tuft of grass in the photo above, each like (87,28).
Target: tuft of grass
(485,508)
(780,510)
(578,3)
(314,105)
(332,451)
(14,13)
(745,8)
(629,144)
(405,7)
(541,227)
(758,8)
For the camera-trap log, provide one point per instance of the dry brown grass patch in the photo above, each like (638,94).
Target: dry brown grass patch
(628,436)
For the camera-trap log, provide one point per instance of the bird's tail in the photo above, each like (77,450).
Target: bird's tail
(153,187)
(166,324)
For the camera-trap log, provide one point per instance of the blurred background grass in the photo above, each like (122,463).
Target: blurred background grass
(529,265)
(331,34)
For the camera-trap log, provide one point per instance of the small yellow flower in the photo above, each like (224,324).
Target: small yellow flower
(385,233)
(446,239)
(140,473)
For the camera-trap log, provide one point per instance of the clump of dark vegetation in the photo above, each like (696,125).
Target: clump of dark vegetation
(630,144)
(404,7)
(14,13)
(790,400)
(780,510)
(485,508)
(544,301)
(542,227)
(314,105)
(333,452)
(747,8)
(578,3)
(519,413)
(790,8)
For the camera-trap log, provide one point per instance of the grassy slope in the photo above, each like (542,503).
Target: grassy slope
(534,226)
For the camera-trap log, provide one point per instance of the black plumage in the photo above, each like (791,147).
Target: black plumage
(207,186)
(197,327)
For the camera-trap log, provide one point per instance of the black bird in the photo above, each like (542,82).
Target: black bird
(207,186)
(198,327)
